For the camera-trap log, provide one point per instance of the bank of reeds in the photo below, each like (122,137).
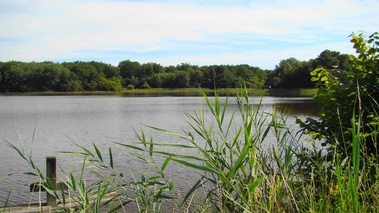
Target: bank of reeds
(256,165)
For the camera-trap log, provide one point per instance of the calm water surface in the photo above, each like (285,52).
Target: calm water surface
(45,125)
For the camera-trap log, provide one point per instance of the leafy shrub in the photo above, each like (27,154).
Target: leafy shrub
(130,87)
(145,86)
(343,93)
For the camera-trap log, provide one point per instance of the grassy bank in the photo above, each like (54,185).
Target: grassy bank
(189,92)
(186,92)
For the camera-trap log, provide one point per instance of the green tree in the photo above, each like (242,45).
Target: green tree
(128,68)
(146,70)
(244,71)
(285,71)
(86,73)
(108,70)
(301,77)
(113,84)
(221,78)
(1,76)
(344,93)
(332,59)
(155,80)
(14,77)
(328,59)
(157,68)
(168,80)
(195,76)
(128,71)
(47,76)
(209,77)
(181,79)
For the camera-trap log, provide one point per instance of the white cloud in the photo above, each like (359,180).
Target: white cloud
(229,31)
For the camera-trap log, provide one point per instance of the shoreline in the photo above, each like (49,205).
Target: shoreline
(175,92)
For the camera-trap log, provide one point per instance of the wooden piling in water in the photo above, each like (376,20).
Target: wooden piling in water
(51,175)
(52,205)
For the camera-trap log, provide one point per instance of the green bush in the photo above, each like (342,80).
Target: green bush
(145,86)
(343,93)
(130,87)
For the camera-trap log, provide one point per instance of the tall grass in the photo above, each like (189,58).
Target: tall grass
(246,161)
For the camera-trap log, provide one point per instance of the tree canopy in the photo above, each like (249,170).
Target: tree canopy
(18,76)
(65,77)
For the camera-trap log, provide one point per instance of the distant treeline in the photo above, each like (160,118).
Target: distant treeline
(97,76)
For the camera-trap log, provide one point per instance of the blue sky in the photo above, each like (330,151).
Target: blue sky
(200,32)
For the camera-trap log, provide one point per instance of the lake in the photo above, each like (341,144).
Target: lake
(46,125)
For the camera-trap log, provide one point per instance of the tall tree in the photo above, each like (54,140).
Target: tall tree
(128,70)
(14,77)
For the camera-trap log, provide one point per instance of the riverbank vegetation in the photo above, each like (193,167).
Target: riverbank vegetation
(82,76)
(258,165)
(156,92)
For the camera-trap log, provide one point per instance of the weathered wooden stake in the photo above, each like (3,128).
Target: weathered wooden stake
(51,173)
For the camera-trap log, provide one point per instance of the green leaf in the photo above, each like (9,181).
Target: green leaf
(110,157)
(256,183)
(17,150)
(171,185)
(164,197)
(195,166)
(278,162)
(210,107)
(73,181)
(197,185)
(166,163)
(188,157)
(237,165)
(224,110)
(98,153)
(175,145)
(169,132)
(85,150)
(143,158)
(131,146)
(371,51)
(30,173)
(73,153)
(151,147)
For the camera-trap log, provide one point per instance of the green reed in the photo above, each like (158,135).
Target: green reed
(235,172)
(246,161)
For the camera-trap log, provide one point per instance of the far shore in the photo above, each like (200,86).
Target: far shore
(180,92)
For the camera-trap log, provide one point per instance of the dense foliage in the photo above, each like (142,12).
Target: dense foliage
(65,77)
(190,76)
(97,76)
(292,73)
(348,92)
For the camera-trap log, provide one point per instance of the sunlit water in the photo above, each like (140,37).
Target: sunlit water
(46,125)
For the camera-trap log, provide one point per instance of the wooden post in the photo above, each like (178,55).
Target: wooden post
(51,173)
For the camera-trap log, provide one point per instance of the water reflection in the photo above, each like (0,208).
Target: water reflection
(306,108)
